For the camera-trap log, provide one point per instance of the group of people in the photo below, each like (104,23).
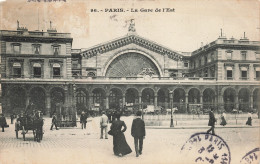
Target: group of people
(117,129)
(213,120)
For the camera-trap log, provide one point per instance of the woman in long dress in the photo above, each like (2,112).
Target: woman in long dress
(249,119)
(120,146)
(223,119)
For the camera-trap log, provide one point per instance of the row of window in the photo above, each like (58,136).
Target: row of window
(202,61)
(37,70)
(243,73)
(36,48)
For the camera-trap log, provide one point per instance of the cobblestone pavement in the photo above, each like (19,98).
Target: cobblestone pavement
(74,145)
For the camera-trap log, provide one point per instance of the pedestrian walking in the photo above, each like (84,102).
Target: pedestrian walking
(83,120)
(12,118)
(223,119)
(138,132)
(3,123)
(249,119)
(212,121)
(38,122)
(54,121)
(103,125)
(120,146)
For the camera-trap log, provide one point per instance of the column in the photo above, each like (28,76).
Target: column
(123,100)
(215,101)
(155,100)
(186,101)
(251,101)
(66,104)
(90,101)
(107,101)
(140,100)
(171,99)
(27,99)
(236,102)
(48,103)
(201,101)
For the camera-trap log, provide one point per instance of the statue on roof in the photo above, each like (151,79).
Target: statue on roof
(131,27)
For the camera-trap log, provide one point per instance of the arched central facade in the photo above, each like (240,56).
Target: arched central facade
(132,64)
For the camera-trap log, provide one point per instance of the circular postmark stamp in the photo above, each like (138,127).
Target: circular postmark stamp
(206,148)
(252,157)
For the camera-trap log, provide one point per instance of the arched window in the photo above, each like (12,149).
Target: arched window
(81,97)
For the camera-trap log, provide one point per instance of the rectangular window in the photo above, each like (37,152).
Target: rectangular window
(229,55)
(17,72)
(243,56)
(229,74)
(212,57)
(16,49)
(37,72)
(56,50)
(205,73)
(244,74)
(257,74)
(56,72)
(205,60)
(36,49)
(186,64)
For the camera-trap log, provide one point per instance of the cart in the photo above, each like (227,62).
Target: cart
(26,123)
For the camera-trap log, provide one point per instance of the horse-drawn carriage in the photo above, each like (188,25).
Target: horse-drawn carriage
(26,122)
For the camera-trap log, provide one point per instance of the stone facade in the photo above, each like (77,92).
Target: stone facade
(127,73)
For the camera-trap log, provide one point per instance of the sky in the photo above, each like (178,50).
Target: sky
(191,23)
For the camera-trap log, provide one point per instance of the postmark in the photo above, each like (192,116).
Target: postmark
(252,157)
(206,148)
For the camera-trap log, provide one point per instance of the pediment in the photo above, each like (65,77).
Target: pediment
(129,39)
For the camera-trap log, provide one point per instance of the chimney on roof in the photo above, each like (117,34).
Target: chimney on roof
(51,29)
(222,36)
(244,38)
(21,28)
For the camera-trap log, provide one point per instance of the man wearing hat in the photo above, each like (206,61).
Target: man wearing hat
(83,120)
(103,124)
(2,122)
(138,132)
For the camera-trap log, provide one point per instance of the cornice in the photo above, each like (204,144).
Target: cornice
(35,39)
(128,40)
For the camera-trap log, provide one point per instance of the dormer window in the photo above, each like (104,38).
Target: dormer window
(36,49)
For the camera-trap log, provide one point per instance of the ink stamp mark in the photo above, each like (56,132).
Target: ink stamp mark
(252,157)
(206,148)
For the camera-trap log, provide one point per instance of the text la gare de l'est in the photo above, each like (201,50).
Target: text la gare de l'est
(134,10)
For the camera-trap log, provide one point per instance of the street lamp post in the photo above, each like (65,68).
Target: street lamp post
(171,99)
(74,102)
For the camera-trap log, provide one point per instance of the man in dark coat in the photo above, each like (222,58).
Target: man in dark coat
(83,120)
(212,121)
(54,121)
(2,122)
(38,122)
(138,132)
